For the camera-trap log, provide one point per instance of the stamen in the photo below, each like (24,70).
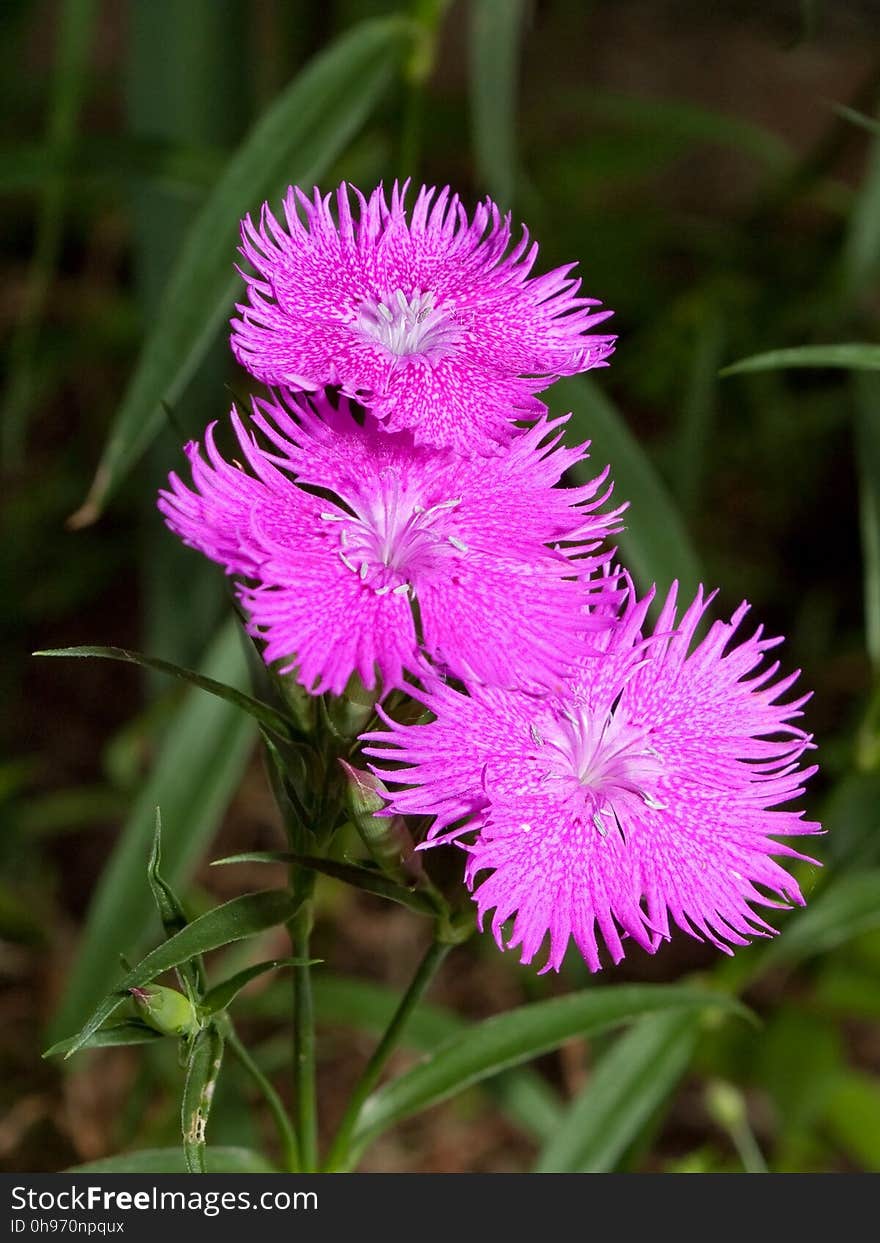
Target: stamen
(457,543)
(408,325)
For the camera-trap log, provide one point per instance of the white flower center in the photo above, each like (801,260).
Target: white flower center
(391,538)
(601,757)
(407,325)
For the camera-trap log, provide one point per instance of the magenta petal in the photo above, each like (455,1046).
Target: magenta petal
(431,318)
(645,794)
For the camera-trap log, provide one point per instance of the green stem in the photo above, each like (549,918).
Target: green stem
(747,1149)
(304,1027)
(286,1133)
(340,1153)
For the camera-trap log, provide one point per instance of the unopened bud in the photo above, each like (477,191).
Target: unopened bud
(725,1105)
(301,705)
(166,1010)
(352,711)
(386,837)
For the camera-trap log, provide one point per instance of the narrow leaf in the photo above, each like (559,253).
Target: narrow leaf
(691,123)
(861,251)
(202,1071)
(220,996)
(843,910)
(855,356)
(517,1036)
(628,1085)
(495,41)
(655,544)
(302,133)
(195,773)
(171,1161)
(125,1031)
(172,914)
(522,1095)
(349,873)
(233,921)
(260,711)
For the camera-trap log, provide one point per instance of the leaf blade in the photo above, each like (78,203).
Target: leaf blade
(853,355)
(494,47)
(232,921)
(171,1161)
(124,1032)
(295,140)
(349,873)
(197,768)
(627,1086)
(261,712)
(509,1039)
(842,910)
(222,994)
(202,1070)
(655,543)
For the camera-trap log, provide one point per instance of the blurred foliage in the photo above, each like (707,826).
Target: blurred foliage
(716,170)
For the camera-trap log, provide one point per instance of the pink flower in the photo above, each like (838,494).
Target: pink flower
(645,793)
(433,323)
(342,531)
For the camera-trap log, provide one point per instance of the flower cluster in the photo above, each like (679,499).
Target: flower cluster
(399,513)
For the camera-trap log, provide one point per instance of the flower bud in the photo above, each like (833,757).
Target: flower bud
(725,1105)
(165,1010)
(385,837)
(351,712)
(300,704)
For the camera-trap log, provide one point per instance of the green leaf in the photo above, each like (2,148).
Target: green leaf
(349,873)
(125,1031)
(861,250)
(853,1117)
(508,1039)
(202,1070)
(857,118)
(171,1161)
(855,356)
(296,140)
(220,996)
(495,41)
(655,544)
(233,921)
(844,909)
(260,711)
(628,1085)
(196,770)
(689,122)
(172,914)
(522,1095)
